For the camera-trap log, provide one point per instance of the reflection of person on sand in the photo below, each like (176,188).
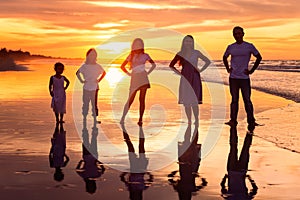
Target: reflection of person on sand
(139,77)
(135,180)
(89,167)
(91,72)
(240,53)
(57,91)
(237,169)
(57,156)
(190,88)
(189,161)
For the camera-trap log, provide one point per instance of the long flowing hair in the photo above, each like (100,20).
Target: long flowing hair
(137,47)
(91,56)
(183,50)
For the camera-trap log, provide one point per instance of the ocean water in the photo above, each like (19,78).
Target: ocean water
(278,77)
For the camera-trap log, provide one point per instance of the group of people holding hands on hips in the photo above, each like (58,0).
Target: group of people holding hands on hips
(91,73)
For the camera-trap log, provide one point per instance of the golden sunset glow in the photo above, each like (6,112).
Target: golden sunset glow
(113,76)
(69,28)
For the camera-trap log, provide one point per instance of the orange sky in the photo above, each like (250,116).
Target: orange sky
(68,28)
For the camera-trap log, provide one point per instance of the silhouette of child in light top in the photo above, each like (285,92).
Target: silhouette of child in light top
(90,74)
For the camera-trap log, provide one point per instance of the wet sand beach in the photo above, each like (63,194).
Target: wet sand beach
(27,127)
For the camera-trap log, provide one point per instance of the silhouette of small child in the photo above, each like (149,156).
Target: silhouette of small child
(57,91)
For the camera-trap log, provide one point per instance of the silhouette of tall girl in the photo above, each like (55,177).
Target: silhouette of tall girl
(139,76)
(190,88)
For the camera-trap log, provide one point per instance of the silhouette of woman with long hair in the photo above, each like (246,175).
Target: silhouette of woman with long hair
(190,87)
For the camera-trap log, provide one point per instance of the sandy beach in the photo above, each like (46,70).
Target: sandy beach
(27,125)
(51,53)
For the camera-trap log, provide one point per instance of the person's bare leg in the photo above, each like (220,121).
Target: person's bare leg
(57,117)
(61,118)
(127,106)
(142,105)
(188,112)
(196,113)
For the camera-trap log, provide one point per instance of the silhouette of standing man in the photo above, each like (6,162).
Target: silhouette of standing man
(240,53)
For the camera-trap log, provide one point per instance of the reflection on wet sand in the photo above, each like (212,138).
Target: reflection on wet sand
(237,169)
(57,155)
(138,179)
(89,168)
(189,157)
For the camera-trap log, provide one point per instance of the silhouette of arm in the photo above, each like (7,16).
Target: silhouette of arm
(152,67)
(51,86)
(51,157)
(122,178)
(206,60)
(102,76)
(225,61)
(256,64)
(67,81)
(67,160)
(223,182)
(254,189)
(79,76)
(173,62)
(100,166)
(123,68)
(79,165)
(150,179)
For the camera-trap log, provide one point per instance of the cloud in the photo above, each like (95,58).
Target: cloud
(122,23)
(142,6)
(204,23)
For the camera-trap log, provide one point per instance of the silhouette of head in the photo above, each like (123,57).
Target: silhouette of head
(58,175)
(91,56)
(137,46)
(90,186)
(187,43)
(238,34)
(59,67)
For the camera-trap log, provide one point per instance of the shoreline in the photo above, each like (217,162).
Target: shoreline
(262,115)
(27,127)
